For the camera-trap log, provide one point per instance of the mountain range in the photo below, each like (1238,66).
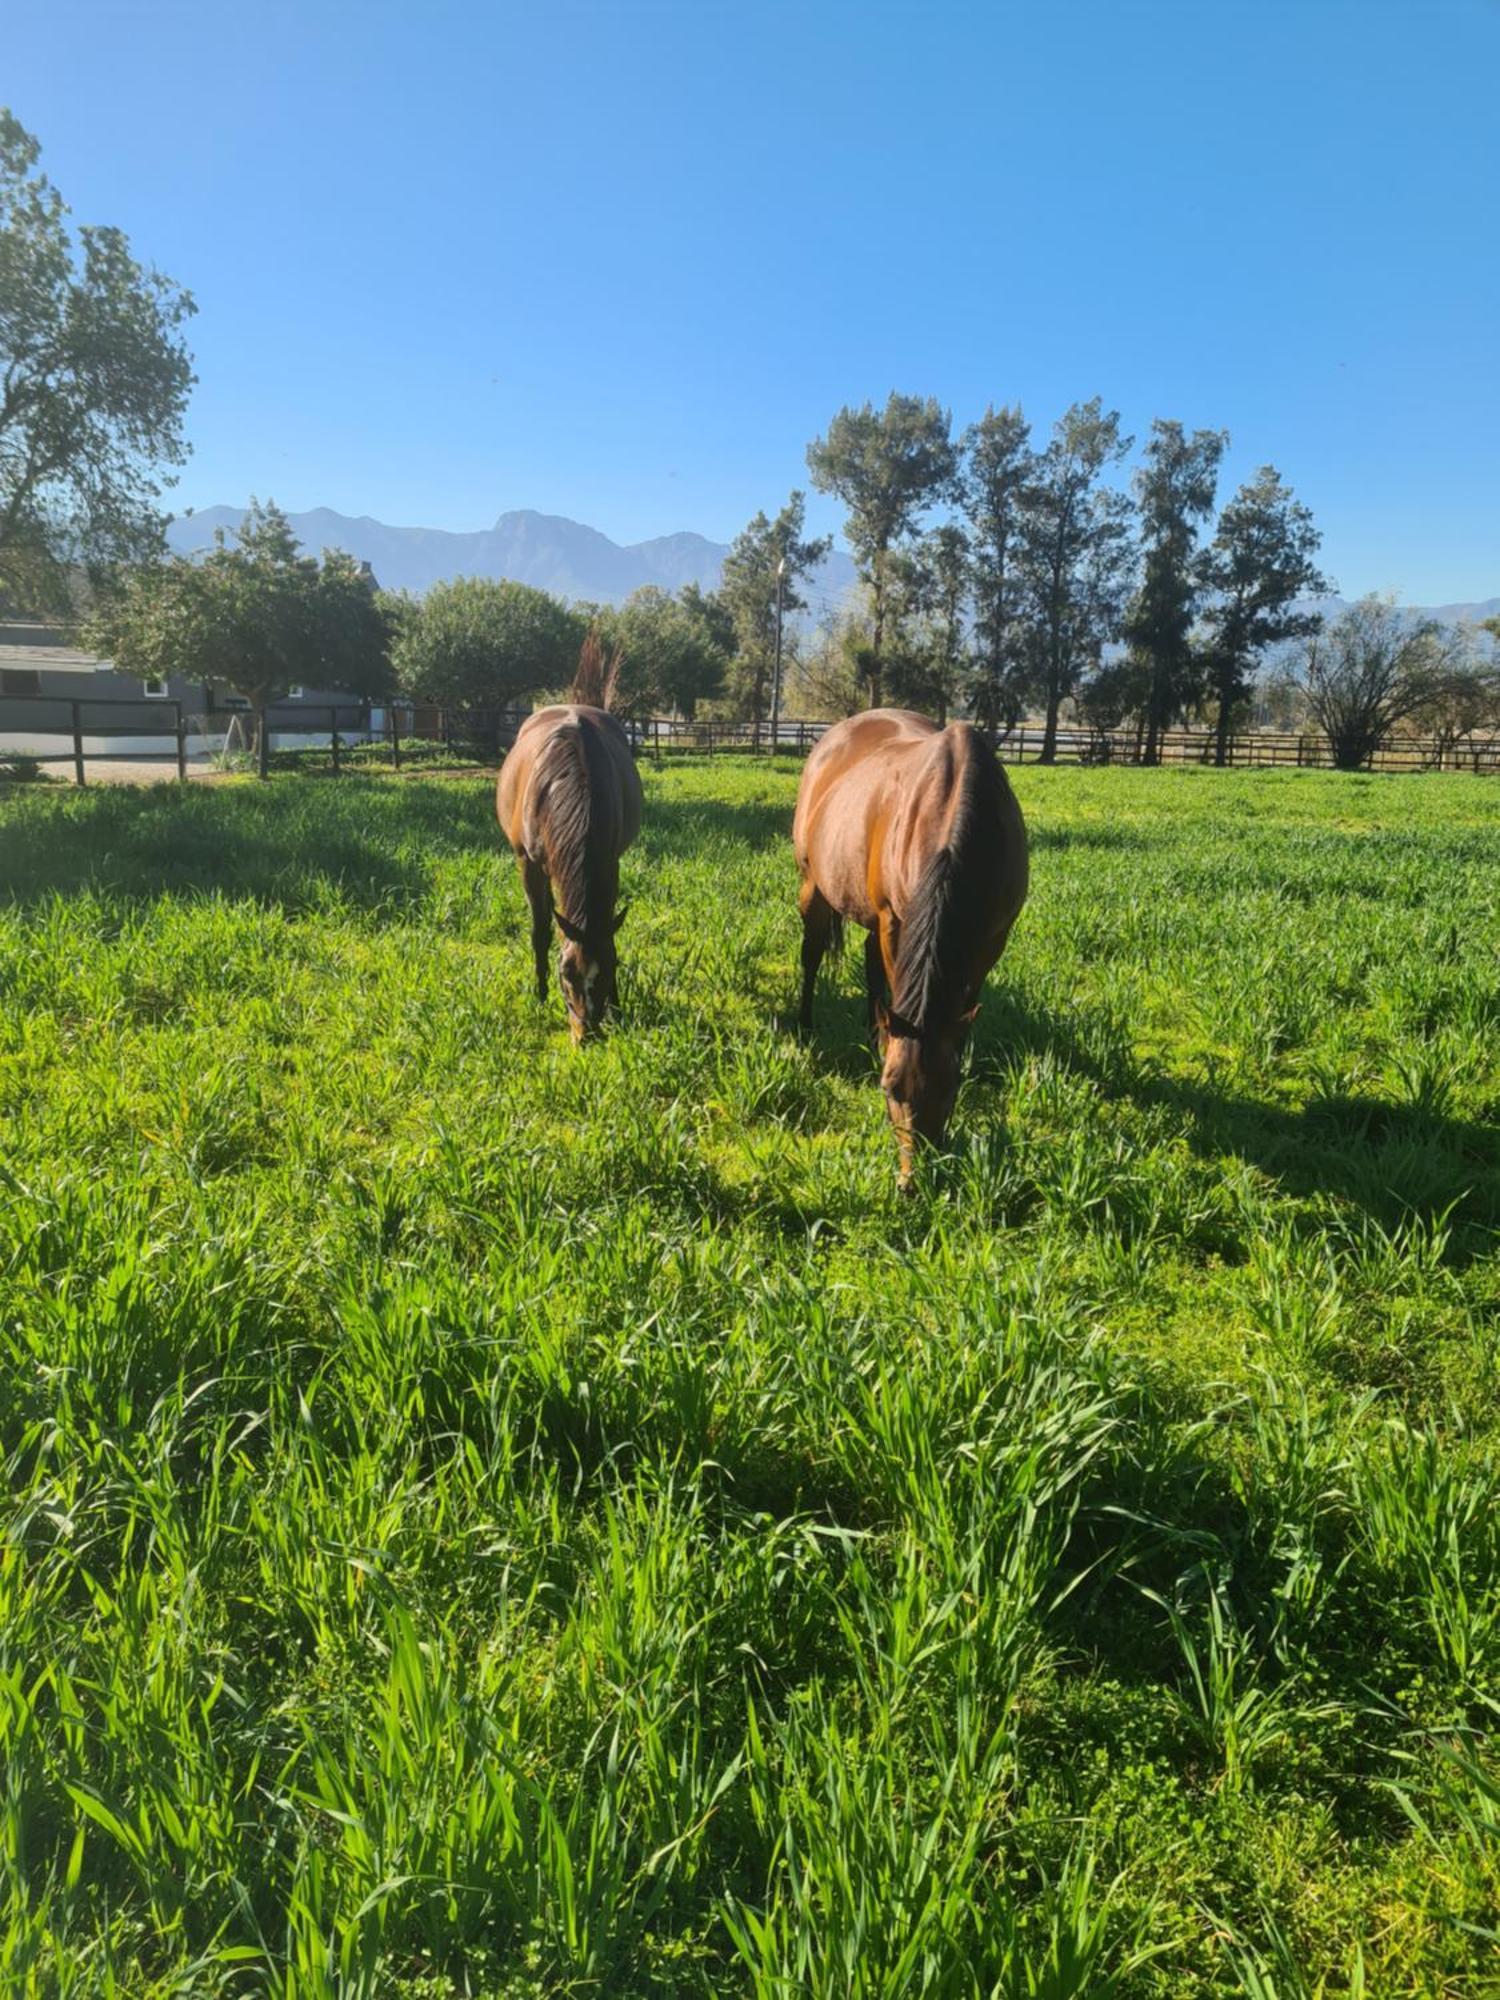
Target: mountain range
(547,550)
(572,560)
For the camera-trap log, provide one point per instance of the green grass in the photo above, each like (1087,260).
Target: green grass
(485,1518)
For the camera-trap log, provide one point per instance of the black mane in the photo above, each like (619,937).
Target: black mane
(934,960)
(573,767)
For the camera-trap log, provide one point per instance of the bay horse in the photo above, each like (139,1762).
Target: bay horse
(911,830)
(569,803)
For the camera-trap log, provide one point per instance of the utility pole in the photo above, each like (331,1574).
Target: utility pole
(776,675)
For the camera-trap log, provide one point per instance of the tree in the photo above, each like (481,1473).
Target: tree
(1113,695)
(1175,490)
(997,467)
(94,382)
(259,616)
(827,672)
(1261,560)
(1073,557)
(747,591)
(926,663)
(712,616)
(477,643)
(888,467)
(1461,705)
(670,654)
(1372,668)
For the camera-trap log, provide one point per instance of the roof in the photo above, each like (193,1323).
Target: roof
(27,642)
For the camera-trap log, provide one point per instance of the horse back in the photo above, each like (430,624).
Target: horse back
(546,741)
(888,790)
(850,788)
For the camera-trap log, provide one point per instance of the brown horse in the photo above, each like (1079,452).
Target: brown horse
(912,831)
(569,803)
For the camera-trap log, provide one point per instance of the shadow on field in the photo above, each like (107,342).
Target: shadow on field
(1112,839)
(297,844)
(682,825)
(1390,1159)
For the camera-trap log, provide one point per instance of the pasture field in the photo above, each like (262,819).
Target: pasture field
(483,1518)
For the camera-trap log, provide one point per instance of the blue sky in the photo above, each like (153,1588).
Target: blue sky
(622,261)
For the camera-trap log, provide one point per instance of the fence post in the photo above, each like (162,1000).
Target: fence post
(78,776)
(181,745)
(333,738)
(395,736)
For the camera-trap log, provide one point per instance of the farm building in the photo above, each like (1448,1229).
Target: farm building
(47,683)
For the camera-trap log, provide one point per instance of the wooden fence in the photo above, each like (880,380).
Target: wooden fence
(415,735)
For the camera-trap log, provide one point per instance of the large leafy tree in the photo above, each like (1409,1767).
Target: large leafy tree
(670,651)
(927,658)
(998,465)
(1373,668)
(1073,555)
(888,467)
(1261,561)
(475,643)
(1174,487)
(256,614)
(94,382)
(747,592)
(1461,707)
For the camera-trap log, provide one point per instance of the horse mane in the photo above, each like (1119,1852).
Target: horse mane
(568,768)
(933,965)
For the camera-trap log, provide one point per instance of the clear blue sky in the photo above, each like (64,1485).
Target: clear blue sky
(621,261)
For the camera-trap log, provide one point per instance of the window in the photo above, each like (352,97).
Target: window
(295,693)
(20,680)
(154,687)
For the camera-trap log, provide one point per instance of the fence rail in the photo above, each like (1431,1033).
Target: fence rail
(418,735)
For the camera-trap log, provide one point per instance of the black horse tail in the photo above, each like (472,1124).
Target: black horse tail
(836,933)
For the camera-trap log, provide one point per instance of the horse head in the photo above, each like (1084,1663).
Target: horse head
(920,1077)
(589,972)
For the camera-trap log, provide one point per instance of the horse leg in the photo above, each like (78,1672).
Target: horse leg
(817,926)
(884,943)
(539,895)
(876,989)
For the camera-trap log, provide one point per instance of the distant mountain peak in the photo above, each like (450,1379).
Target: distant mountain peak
(566,557)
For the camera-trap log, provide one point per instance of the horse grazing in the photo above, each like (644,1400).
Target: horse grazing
(912,831)
(569,803)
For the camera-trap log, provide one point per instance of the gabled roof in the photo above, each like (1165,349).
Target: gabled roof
(27,642)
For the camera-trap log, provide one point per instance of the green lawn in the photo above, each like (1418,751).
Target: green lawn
(488,1518)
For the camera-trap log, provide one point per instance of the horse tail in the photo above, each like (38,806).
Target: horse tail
(836,933)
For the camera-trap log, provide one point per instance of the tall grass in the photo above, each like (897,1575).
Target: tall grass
(485,1519)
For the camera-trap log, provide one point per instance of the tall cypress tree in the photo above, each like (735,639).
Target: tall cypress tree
(998,465)
(1175,491)
(1261,560)
(888,467)
(1074,553)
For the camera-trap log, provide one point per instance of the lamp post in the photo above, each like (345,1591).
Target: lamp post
(776,674)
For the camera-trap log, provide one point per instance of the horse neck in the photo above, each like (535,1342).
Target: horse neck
(943,921)
(584,870)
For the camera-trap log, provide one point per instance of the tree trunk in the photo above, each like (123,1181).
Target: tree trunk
(1049,734)
(1221,739)
(262,742)
(878,591)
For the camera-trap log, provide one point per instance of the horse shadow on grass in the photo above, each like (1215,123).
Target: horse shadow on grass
(680,826)
(290,849)
(1392,1160)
